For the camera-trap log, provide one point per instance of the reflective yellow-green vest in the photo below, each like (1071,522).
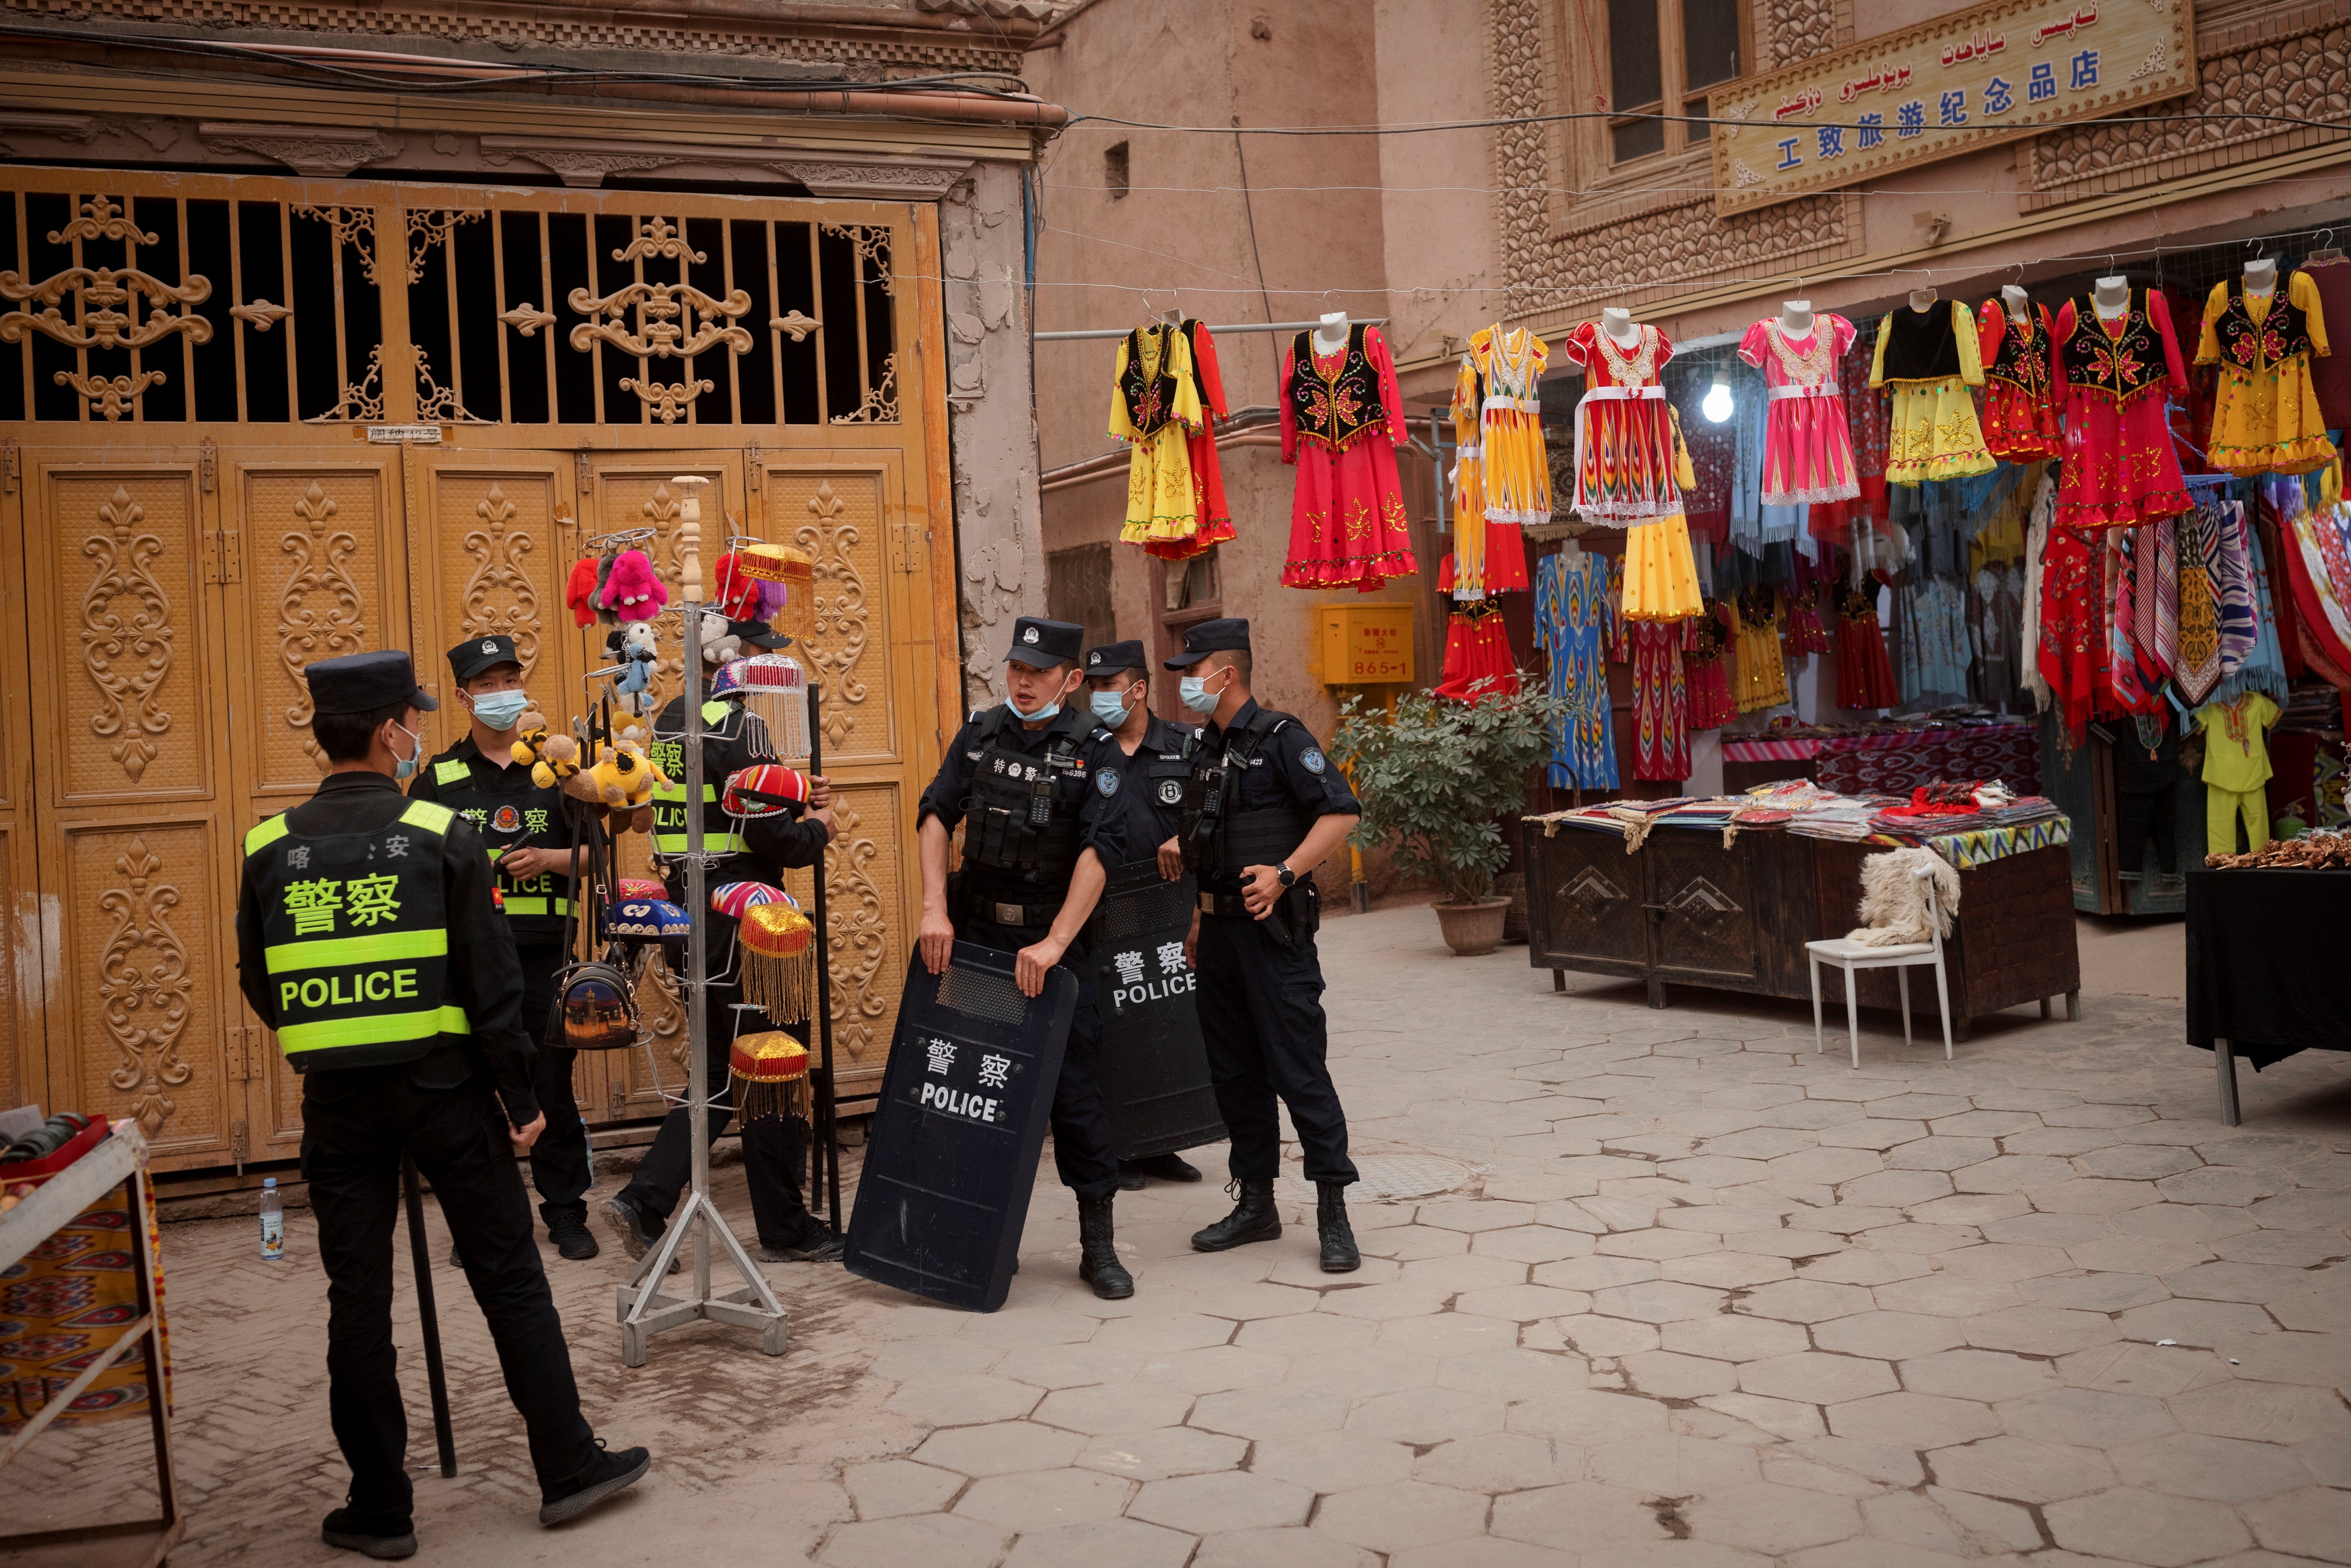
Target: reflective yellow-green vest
(356,940)
(535,906)
(721,834)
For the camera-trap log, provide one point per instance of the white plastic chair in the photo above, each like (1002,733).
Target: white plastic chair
(1848,955)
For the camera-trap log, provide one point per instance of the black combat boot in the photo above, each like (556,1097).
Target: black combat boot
(1338,1254)
(1253,1219)
(1099,1266)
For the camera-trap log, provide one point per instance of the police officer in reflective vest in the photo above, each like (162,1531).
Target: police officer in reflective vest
(1263,809)
(1158,760)
(530,844)
(1034,795)
(368,940)
(774,1148)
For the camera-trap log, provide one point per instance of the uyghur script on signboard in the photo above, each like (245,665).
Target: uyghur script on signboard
(1963,82)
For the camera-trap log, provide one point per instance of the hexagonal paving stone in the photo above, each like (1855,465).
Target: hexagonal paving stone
(1595,1336)
(2215,1184)
(1522,1303)
(2321,1307)
(1474,1215)
(2263,1412)
(1975,1208)
(1514,1372)
(1813,1378)
(1827,1166)
(1401,1515)
(1662,1374)
(1657,1302)
(1858,1266)
(2223,1470)
(1986,1124)
(2286,1248)
(999,1449)
(1595,1517)
(1045,1499)
(2235,1282)
(1427,1415)
(1655,1243)
(1734,1337)
(1891,1337)
(1783,1243)
(1292,1547)
(935,1540)
(2098,1116)
(1926,1107)
(1672,1467)
(1114,1407)
(1919,1239)
(1984,1374)
(1125,1541)
(964,1401)
(1272,1412)
(1166,1452)
(2012,1173)
(1334,1461)
(1303,1333)
(2022,1469)
(1940,1154)
(1360,1374)
(1908,1420)
(2092,1195)
(1445,1336)
(1500,1462)
(2005,1261)
(2206,1223)
(1871,1132)
(1230,1499)
(2204,1323)
(1773,1520)
(1727,1270)
(2086,1417)
(1531,1244)
(2093,1292)
(1589,1417)
(2146,1527)
(2137,1162)
(895,1487)
(1804,1300)
(1247,1301)
(2039,1331)
(1894,1189)
(1940,1295)
(2308,1523)
(1593,1273)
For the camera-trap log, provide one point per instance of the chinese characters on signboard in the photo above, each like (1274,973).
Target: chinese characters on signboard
(1962,81)
(937,1091)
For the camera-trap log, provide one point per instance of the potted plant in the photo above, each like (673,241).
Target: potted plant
(1438,778)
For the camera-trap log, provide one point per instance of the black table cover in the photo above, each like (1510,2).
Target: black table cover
(2268,969)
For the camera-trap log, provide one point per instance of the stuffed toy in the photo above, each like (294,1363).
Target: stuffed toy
(633,592)
(738,593)
(720,644)
(551,759)
(579,593)
(634,648)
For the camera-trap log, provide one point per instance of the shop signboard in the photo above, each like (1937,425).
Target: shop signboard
(1366,645)
(1988,74)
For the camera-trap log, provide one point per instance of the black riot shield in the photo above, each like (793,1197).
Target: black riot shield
(952,1152)
(1152,1068)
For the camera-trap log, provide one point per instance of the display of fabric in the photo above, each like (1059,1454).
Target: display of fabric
(1896,762)
(65,1303)
(1933,639)
(1865,413)
(2042,512)
(1660,573)
(1807,440)
(2195,669)
(2330,374)
(1341,421)
(1660,699)
(2020,417)
(2119,467)
(2125,689)
(1477,661)
(2071,638)
(1624,460)
(1706,661)
(1504,372)
(2266,418)
(1759,673)
(1213,522)
(1154,408)
(1996,634)
(1864,674)
(1575,620)
(2317,543)
(1929,358)
(1806,632)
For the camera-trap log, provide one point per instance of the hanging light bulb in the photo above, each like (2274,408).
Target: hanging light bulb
(1717,404)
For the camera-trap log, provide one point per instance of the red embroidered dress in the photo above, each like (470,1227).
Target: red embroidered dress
(1624,470)
(2020,418)
(2119,467)
(1215,522)
(1864,674)
(1341,421)
(1706,661)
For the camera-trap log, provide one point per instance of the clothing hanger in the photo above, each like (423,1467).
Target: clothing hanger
(2328,250)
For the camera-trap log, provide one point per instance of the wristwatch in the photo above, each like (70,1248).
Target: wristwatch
(1287,875)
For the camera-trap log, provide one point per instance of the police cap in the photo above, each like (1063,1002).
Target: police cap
(1041,643)
(1112,657)
(1210,637)
(757,635)
(362,682)
(475,654)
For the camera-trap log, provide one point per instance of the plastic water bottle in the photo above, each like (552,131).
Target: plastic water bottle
(273,1222)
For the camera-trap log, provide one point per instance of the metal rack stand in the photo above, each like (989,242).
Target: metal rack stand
(642,1306)
(825,1142)
(117,1163)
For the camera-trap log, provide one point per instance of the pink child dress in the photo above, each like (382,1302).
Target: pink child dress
(1807,442)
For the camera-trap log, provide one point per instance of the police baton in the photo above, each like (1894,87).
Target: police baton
(439,1382)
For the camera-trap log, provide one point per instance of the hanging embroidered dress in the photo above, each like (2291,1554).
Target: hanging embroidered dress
(2266,418)
(2020,417)
(1213,522)
(1660,697)
(1807,440)
(1929,358)
(1154,408)
(1468,479)
(1623,436)
(1864,674)
(1477,661)
(1341,421)
(1705,660)
(2119,467)
(1575,620)
(1496,409)
(1759,673)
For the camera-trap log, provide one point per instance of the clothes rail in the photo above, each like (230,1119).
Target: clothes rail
(1221,332)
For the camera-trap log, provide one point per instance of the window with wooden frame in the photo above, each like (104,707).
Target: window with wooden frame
(1668,56)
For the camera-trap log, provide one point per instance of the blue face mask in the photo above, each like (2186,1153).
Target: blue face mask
(1109,709)
(500,710)
(404,768)
(1194,689)
(1050,710)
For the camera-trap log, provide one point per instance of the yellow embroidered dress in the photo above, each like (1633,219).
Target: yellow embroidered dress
(1154,407)
(2266,419)
(1504,476)
(1930,358)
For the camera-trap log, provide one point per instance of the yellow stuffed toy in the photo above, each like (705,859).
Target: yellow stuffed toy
(621,783)
(551,759)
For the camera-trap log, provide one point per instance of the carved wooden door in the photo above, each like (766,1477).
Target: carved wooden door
(24,1042)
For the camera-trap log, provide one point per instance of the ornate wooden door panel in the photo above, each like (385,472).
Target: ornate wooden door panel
(138,816)
(1700,899)
(24,1065)
(491,539)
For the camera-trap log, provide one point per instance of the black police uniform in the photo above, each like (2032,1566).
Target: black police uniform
(1261,980)
(510,812)
(1154,776)
(368,940)
(1013,879)
(774,1148)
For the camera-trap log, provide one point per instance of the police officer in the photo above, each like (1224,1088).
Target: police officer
(1264,807)
(774,1148)
(1034,794)
(532,845)
(367,938)
(1158,760)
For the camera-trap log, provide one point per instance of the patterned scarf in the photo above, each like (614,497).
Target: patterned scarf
(2197,668)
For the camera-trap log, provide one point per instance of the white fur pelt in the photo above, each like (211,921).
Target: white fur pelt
(1894,902)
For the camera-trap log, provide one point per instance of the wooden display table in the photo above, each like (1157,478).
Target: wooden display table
(1683,910)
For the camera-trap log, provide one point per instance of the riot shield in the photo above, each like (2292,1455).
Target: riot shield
(965,1102)
(1152,1067)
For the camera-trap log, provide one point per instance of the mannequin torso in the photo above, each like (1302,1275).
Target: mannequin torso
(2261,276)
(1796,317)
(1922,299)
(1330,333)
(2019,304)
(1618,325)
(2111,298)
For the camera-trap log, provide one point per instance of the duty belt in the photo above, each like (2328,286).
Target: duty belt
(1232,905)
(1020,914)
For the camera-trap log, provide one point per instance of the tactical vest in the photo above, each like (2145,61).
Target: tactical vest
(2122,367)
(1020,828)
(1338,408)
(356,940)
(1218,839)
(721,834)
(536,905)
(1150,400)
(2278,337)
(2023,358)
